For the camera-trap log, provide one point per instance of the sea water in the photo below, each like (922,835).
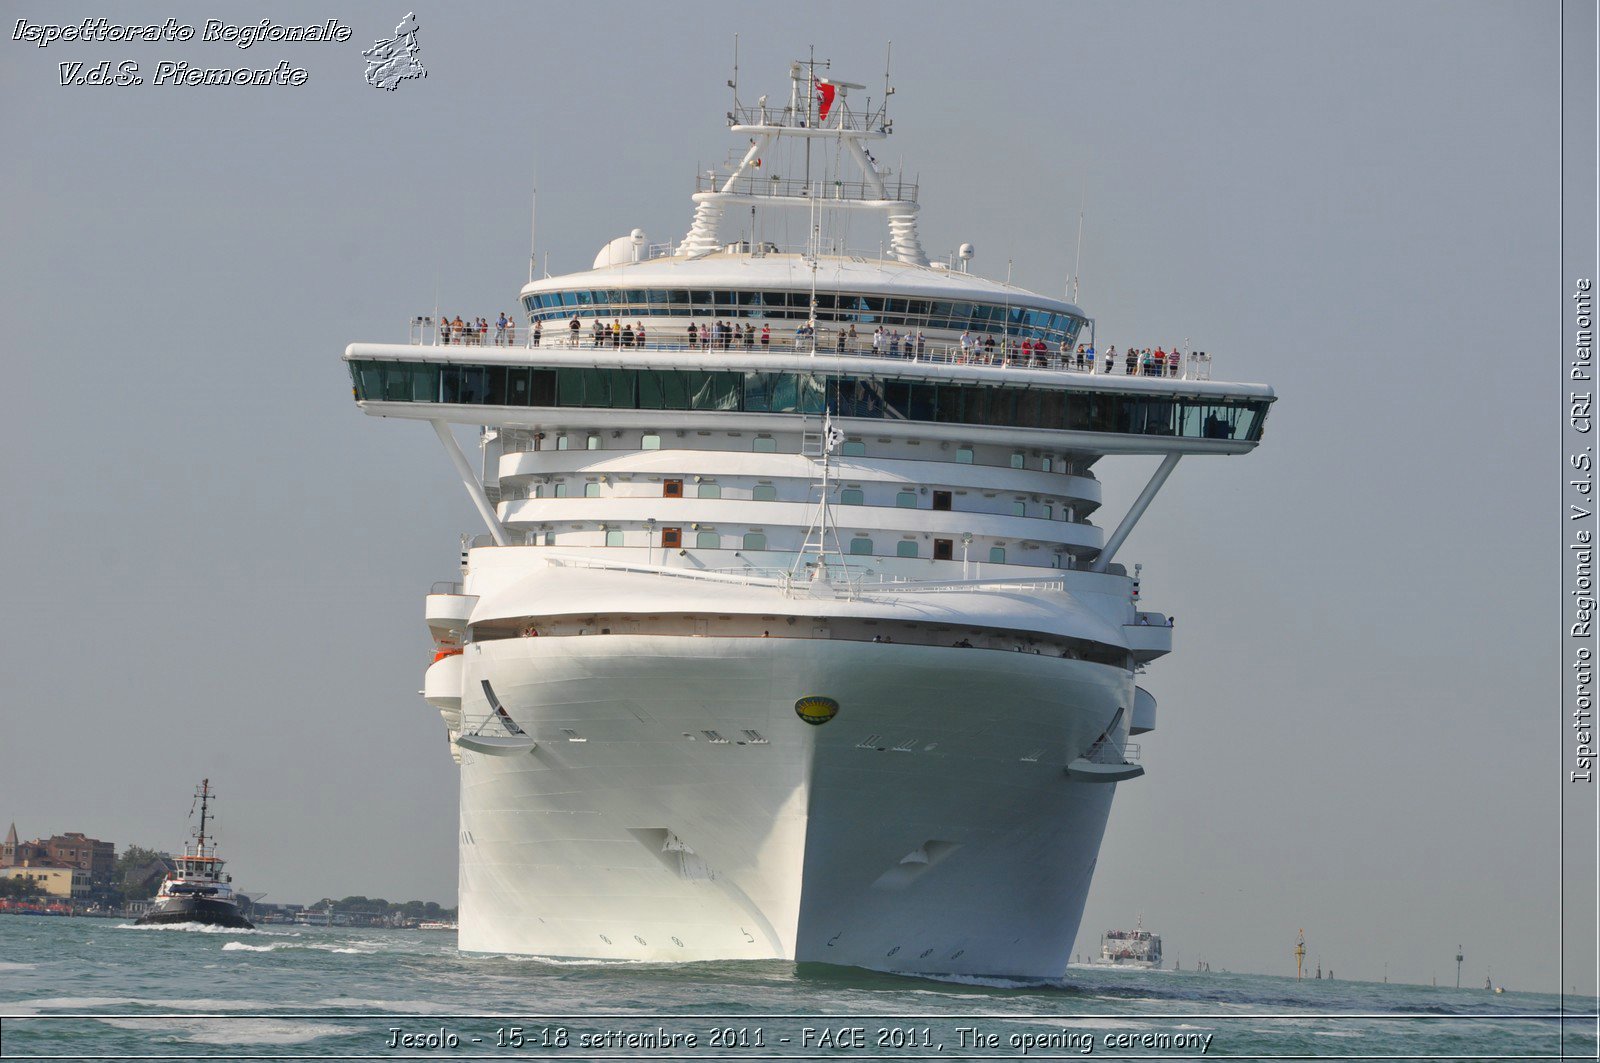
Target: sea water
(100,988)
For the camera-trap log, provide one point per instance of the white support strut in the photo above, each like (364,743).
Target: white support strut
(1140,504)
(470,482)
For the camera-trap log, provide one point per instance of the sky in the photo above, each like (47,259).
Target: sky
(216,564)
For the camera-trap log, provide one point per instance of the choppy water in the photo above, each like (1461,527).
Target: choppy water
(90,988)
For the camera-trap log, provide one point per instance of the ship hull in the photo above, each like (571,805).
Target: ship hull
(676,808)
(202,910)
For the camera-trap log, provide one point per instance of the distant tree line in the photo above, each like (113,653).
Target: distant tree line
(379,906)
(138,873)
(20,889)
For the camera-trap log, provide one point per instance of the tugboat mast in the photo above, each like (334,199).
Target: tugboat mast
(205,796)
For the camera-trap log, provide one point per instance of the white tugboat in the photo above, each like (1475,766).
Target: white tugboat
(197,890)
(791,635)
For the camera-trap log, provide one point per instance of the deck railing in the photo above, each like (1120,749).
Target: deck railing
(1188,365)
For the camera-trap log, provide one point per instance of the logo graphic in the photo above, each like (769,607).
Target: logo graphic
(816,710)
(393,61)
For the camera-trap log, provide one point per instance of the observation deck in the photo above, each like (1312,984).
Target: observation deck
(941,393)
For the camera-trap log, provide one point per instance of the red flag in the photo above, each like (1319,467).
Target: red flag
(825,93)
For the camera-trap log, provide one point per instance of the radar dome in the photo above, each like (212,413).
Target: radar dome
(621,251)
(966,252)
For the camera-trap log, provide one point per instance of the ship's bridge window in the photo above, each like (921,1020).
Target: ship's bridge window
(755,541)
(905,548)
(764,493)
(861,545)
(853,448)
(650,441)
(1229,418)
(851,496)
(906,499)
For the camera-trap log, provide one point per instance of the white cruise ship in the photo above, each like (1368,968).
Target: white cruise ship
(796,640)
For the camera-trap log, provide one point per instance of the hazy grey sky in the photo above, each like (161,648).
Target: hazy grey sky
(215,566)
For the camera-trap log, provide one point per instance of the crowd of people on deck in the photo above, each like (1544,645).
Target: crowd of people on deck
(474,332)
(975,349)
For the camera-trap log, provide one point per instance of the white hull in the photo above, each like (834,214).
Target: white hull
(951,842)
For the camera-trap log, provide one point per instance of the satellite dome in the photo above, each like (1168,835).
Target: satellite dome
(621,251)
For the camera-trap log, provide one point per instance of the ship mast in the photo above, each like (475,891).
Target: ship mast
(205,797)
(818,107)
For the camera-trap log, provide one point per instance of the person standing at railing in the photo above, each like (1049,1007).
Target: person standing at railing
(638,333)
(766,336)
(627,335)
(538,331)
(511,331)
(458,328)
(1132,361)
(1172,361)
(749,336)
(444,330)
(483,331)
(500,330)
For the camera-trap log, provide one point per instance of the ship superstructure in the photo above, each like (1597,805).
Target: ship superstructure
(790,637)
(1131,948)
